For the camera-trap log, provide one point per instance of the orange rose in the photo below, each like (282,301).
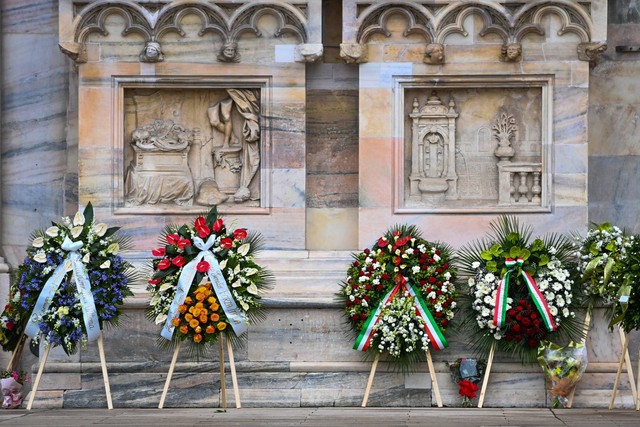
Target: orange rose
(188,301)
(210,329)
(182,308)
(198,330)
(211,300)
(188,317)
(194,323)
(184,329)
(203,318)
(222,326)
(214,317)
(197,338)
(196,312)
(214,307)
(175,321)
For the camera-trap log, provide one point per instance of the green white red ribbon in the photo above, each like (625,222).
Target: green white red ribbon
(500,311)
(432,330)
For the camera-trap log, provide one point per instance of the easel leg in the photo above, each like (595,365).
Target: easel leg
(627,360)
(370,382)
(487,371)
(105,375)
(17,354)
(585,331)
(622,359)
(223,385)
(638,385)
(36,383)
(434,379)
(234,378)
(169,375)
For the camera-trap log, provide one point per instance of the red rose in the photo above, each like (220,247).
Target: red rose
(444,323)
(10,326)
(172,239)
(432,279)
(179,261)
(363,316)
(217,226)
(467,389)
(355,318)
(164,264)
(182,243)
(366,251)
(226,243)
(203,266)
(154,281)
(159,252)
(239,234)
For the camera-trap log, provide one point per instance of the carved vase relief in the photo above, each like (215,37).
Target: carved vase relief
(473,148)
(192,147)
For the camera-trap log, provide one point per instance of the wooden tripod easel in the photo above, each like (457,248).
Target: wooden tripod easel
(624,357)
(17,354)
(223,386)
(103,364)
(432,373)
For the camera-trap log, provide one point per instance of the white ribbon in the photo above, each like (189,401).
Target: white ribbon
(227,302)
(83,286)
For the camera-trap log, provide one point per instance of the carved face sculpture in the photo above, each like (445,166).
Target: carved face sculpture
(229,50)
(11,393)
(513,52)
(434,53)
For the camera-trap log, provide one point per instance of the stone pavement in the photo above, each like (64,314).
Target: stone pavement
(322,417)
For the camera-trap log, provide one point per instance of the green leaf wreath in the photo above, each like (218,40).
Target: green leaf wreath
(206,282)
(520,290)
(400,295)
(49,299)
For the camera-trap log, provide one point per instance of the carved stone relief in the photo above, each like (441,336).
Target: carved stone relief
(192,147)
(469,148)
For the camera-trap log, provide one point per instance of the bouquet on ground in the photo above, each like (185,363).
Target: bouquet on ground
(563,367)
(205,281)
(72,282)
(400,295)
(12,383)
(467,373)
(521,291)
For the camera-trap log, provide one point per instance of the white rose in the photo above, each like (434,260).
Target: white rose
(475,264)
(52,231)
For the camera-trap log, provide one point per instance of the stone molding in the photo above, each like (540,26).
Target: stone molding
(153,21)
(509,22)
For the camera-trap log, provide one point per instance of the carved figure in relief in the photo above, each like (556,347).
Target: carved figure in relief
(152,52)
(229,52)
(511,52)
(238,156)
(159,171)
(434,156)
(434,54)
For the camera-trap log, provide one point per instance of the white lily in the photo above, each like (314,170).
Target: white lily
(78,219)
(100,229)
(106,264)
(113,248)
(52,231)
(250,271)
(86,258)
(252,289)
(161,318)
(38,242)
(76,231)
(164,287)
(40,257)
(244,249)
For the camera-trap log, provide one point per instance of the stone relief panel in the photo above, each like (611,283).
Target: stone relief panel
(192,147)
(473,148)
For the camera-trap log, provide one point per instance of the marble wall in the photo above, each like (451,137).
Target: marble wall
(331,171)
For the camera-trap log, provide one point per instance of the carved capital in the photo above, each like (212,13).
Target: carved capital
(309,52)
(591,51)
(352,53)
(75,51)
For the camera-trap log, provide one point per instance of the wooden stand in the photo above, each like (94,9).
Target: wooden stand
(223,386)
(624,357)
(17,354)
(432,373)
(487,371)
(103,363)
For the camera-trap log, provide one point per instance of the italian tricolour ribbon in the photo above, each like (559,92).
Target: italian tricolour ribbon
(436,338)
(83,286)
(234,315)
(500,311)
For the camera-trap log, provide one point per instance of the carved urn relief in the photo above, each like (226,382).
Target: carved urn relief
(433,167)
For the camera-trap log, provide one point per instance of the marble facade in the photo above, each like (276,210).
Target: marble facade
(312,207)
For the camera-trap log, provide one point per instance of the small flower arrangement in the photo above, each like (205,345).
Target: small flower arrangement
(205,281)
(467,373)
(563,367)
(600,254)
(20,377)
(400,295)
(521,292)
(72,281)
(625,310)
